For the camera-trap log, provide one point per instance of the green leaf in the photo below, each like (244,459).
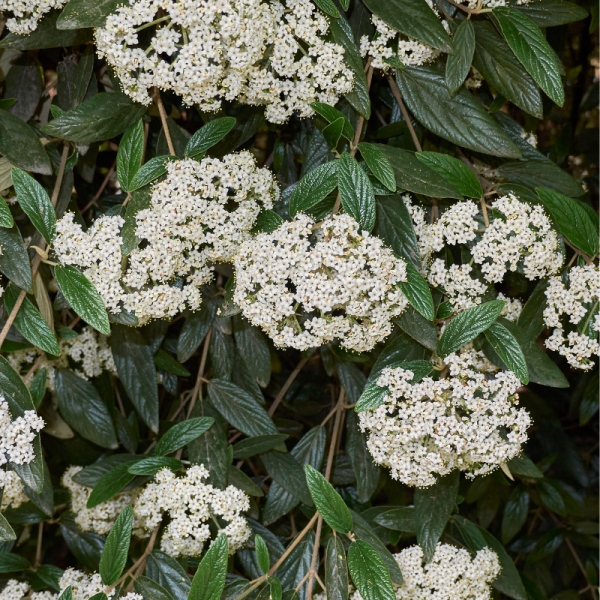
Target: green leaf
(374,396)
(6,219)
(258,445)
(366,471)
(114,554)
(551,13)
(253,348)
(417,292)
(398,519)
(336,569)
(460,119)
(287,472)
(67,594)
(129,156)
(266,222)
(573,219)
(150,171)
(150,590)
(30,323)
(379,165)
(21,145)
(454,171)
(418,327)
(333,132)
(83,297)
(239,408)
(589,403)
(369,573)
(496,62)
(413,18)
(182,434)
(262,554)
(13,563)
(195,328)
(331,114)
(328,7)
(356,192)
(135,366)
(515,513)
(83,409)
(35,203)
(433,507)
(313,187)
(531,48)
(328,502)
(341,33)
(209,580)
(101,117)
(240,480)
(151,466)
(209,135)
(507,347)
(531,319)
(168,573)
(6,531)
(167,363)
(458,64)
(468,325)
(523,466)
(86,13)
(110,484)
(14,260)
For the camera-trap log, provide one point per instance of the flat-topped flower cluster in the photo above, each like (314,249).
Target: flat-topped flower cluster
(207,51)
(17,436)
(468,421)
(27,13)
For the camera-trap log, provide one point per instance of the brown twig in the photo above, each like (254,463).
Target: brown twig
(197,393)
(38,550)
(286,386)
(101,188)
(398,96)
(163,118)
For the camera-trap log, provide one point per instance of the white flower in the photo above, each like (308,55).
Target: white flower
(16,436)
(466,421)
(27,13)
(13,491)
(578,302)
(345,283)
(83,587)
(14,590)
(192,505)
(257,52)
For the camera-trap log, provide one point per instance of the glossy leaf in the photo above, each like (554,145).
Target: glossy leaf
(35,203)
(458,64)
(313,187)
(356,192)
(114,554)
(454,171)
(208,135)
(369,574)
(328,502)
(182,434)
(129,156)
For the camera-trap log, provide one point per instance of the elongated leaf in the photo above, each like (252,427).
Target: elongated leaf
(262,554)
(6,531)
(515,513)
(129,156)
(398,519)
(356,191)
(417,292)
(182,434)
(333,132)
(366,471)
(208,135)
(508,349)
(433,506)
(287,472)
(82,296)
(379,165)
(454,171)
(35,203)
(195,328)
(30,323)
(336,570)
(253,348)
(413,18)
(550,13)
(257,445)
(13,563)
(150,590)
(151,466)
(110,484)
(135,365)
(573,219)
(369,574)
(333,114)
(114,554)
(313,187)
(531,48)
(468,325)
(328,502)
(458,64)
(83,409)
(101,117)
(6,219)
(240,480)
(14,260)
(86,13)
(209,580)
(459,119)
(150,171)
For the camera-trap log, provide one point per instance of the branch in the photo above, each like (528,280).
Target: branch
(163,118)
(286,385)
(396,92)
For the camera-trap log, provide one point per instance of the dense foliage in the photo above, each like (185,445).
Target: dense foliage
(300,299)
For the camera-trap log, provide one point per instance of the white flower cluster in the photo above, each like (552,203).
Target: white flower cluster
(389,43)
(524,236)
(463,290)
(345,283)
(101,518)
(465,421)
(13,490)
(27,13)
(450,575)
(16,437)
(200,214)
(578,302)
(207,51)
(14,590)
(191,503)
(491,3)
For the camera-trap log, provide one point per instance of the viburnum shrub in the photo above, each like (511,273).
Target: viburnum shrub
(300,299)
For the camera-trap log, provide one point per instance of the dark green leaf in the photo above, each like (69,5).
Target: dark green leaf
(331,114)
(333,132)
(6,219)
(356,192)
(140,200)
(328,7)
(589,403)
(129,156)
(150,590)
(101,117)
(328,502)
(86,13)
(418,327)
(531,48)
(515,513)
(150,171)
(253,348)
(433,507)
(35,203)
(114,554)
(458,64)
(336,570)
(208,135)
(151,466)
(167,572)
(209,580)
(167,363)
(21,145)
(366,471)
(14,260)
(379,165)
(468,325)
(369,573)
(266,222)
(82,296)
(6,531)
(551,13)
(258,445)
(262,554)
(313,187)
(507,347)
(531,319)
(182,434)
(454,171)
(287,472)
(417,292)
(110,484)
(460,119)
(12,563)
(398,519)
(240,480)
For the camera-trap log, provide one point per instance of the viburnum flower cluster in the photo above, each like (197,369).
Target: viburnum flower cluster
(575,304)
(345,283)
(191,505)
(200,214)
(13,490)
(215,50)
(16,436)
(27,13)
(466,421)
